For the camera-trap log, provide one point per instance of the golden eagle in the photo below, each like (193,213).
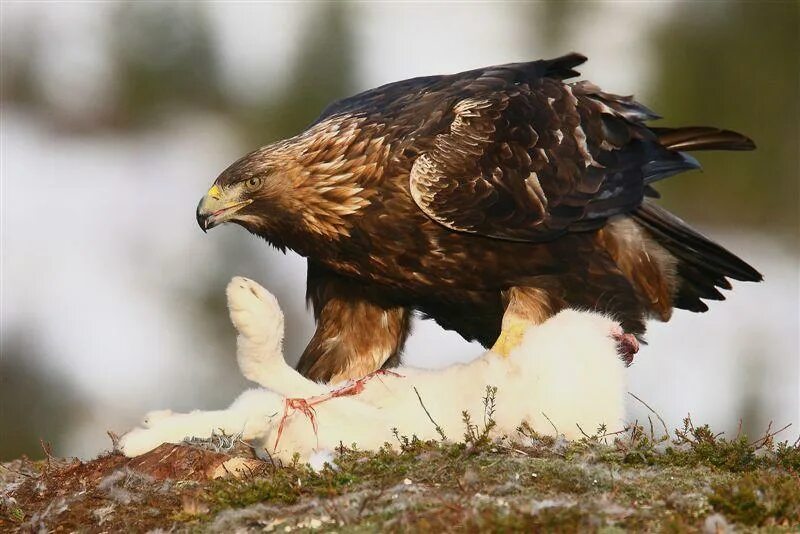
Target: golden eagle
(484,200)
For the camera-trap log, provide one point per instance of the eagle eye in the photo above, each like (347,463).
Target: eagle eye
(253,183)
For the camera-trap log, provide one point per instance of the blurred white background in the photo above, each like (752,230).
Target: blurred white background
(117,117)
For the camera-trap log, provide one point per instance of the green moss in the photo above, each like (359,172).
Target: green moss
(280,485)
(760,499)
(287,484)
(16,514)
(631,480)
(438,516)
(589,485)
(661,484)
(551,519)
(563,476)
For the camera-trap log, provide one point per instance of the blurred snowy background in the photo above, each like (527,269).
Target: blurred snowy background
(116,117)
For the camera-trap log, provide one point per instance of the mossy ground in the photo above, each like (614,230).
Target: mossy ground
(694,481)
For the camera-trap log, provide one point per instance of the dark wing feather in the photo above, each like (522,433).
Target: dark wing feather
(530,158)
(514,153)
(393,97)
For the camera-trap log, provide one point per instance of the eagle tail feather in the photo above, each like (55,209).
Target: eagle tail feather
(674,143)
(702,138)
(702,265)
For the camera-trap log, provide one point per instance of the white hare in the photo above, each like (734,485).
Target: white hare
(567,370)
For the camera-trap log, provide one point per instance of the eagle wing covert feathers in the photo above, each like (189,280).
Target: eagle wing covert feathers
(528,158)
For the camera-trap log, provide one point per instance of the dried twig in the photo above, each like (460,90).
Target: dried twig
(768,435)
(48,451)
(587,436)
(15,471)
(663,424)
(551,424)
(435,424)
(114,439)
(269,455)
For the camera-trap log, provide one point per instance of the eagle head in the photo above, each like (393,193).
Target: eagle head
(250,193)
(311,186)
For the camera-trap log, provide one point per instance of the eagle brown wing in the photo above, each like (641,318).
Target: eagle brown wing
(529,160)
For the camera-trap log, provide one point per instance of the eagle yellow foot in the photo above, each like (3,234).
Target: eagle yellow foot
(510,337)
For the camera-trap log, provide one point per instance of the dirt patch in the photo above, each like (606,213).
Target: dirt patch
(112,492)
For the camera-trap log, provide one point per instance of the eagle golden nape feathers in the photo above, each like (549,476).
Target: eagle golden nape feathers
(479,198)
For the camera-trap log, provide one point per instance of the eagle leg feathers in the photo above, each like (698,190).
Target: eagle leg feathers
(358,332)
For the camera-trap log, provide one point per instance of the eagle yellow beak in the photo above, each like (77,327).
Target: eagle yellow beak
(219,205)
